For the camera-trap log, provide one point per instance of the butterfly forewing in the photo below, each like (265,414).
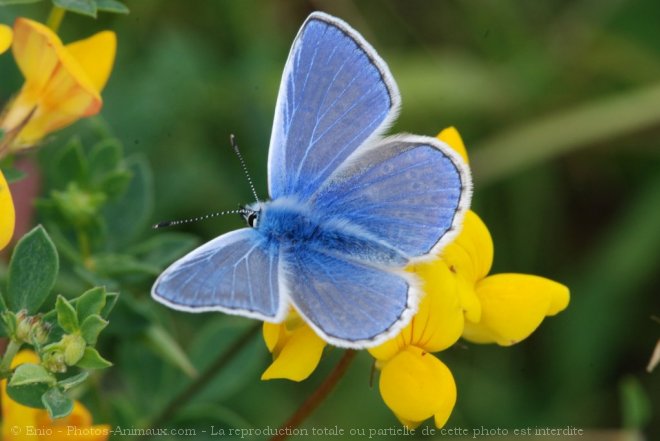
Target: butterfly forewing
(336,92)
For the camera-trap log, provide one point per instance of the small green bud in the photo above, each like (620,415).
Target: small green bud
(79,206)
(23,326)
(74,348)
(40,331)
(53,360)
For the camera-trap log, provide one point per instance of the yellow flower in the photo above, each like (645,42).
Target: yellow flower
(415,384)
(5,37)
(460,300)
(8,218)
(62,83)
(502,308)
(295,347)
(18,419)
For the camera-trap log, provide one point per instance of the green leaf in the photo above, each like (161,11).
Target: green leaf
(83,7)
(56,403)
(636,404)
(90,302)
(115,183)
(112,6)
(110,302)
(30,373)
(28,395)
(92,360)
(164,345)
(129,216)
(9,322)
(32,271)
(73,381)
(71,163)
(105,157)
(91,327)
(66,315)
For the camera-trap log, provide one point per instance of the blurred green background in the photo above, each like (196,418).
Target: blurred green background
(559,106)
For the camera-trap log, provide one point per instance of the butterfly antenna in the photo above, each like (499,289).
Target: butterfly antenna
(200,218)
(232,140)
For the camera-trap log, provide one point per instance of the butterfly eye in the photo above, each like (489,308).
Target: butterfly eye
(252,219)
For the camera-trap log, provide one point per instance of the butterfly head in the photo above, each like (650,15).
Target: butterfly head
(251,214)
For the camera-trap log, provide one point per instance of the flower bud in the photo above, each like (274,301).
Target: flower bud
(23,326)
(40,332)
(73,346)
(53,360)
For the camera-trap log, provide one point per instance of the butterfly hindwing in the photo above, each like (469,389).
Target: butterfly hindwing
(349,303)
(236,273)
(336,93)
(408,191)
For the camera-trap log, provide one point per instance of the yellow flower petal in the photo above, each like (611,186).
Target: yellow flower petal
(513,306)
(471,253)
(8,217)
(438,322)
(95,55)
(415,385)
(298,357)
(59,89)
(274,334)
(5,37)
(469,300)
(451,137)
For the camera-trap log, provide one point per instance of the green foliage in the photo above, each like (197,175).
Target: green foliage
(32,271)
(66,315)
(57,403)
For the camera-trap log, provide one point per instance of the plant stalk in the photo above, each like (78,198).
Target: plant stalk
(317,397)
(11,351)
(55,18)
(203,379)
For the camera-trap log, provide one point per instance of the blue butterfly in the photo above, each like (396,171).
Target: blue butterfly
(348,210)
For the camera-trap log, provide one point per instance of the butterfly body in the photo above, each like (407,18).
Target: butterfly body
(293,227)
(349,210)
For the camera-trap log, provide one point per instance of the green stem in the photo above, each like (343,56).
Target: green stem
(55,18)
(10,353)
(320,394)
(83,241)
(203,379)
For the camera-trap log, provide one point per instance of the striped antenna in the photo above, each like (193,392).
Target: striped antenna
(200,218)
(232,141)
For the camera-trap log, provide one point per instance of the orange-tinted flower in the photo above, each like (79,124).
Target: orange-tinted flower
(62,83)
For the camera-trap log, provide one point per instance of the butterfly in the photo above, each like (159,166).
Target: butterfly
(349,209)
